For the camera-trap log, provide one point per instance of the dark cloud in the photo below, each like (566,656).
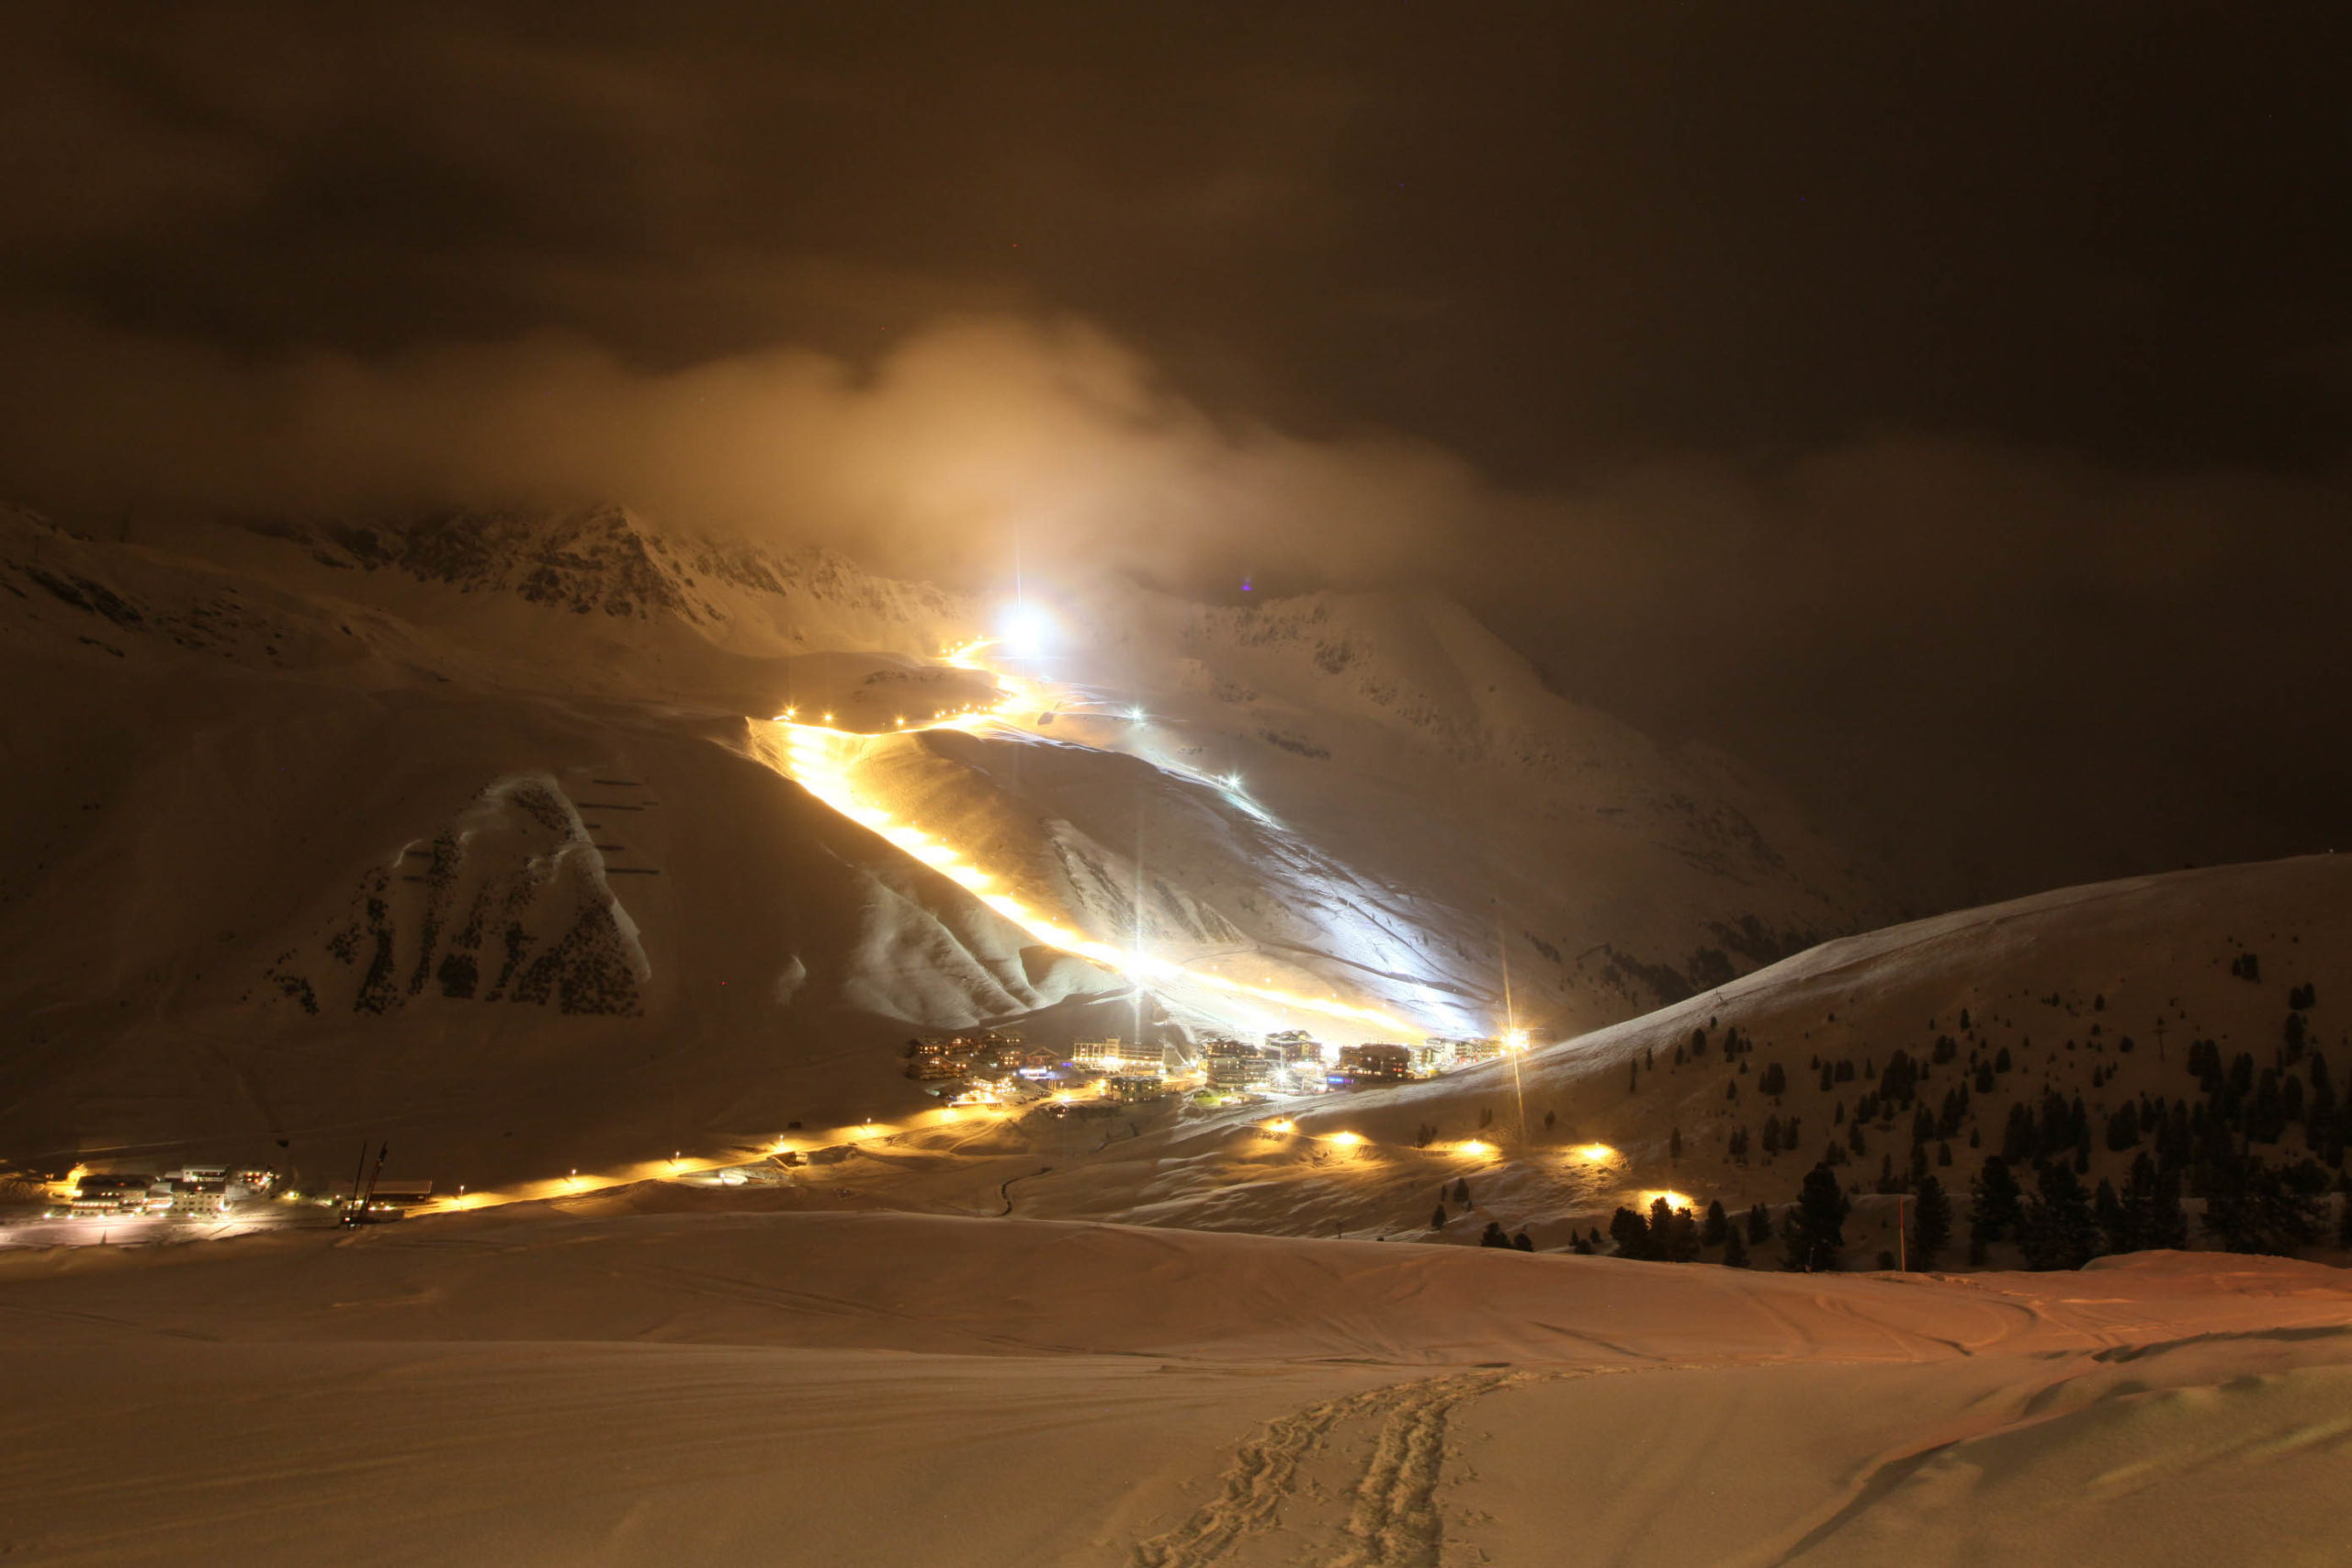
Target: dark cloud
(1941,406)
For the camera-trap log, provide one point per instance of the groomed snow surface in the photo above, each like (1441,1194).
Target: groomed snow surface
(655,1386)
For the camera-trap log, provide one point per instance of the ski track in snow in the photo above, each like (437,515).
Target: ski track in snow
(1392,1518)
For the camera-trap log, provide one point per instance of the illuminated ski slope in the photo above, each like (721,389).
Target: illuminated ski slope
(824,759)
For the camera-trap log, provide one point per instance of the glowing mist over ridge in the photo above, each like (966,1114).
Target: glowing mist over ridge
(823,759)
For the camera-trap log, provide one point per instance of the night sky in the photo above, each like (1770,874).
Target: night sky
(1942,407)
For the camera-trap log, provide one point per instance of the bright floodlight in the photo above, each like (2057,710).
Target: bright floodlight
(1027,630)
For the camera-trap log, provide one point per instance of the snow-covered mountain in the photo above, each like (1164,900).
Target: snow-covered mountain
(470,830)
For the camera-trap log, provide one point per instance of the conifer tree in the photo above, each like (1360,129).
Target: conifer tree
(2123,1129)
(1759,1225)
(2167,1221)
(1437,1218)
(1930,1222)
(1520,1243)
(1993,1200)
(1734,1250)
(1493,1235)
(2134,1220)
(1674,1233)
(1462,1191)
(2256,1208)
(1817,1228)
(2114,1220)
(1718,1226)
(2057,1230)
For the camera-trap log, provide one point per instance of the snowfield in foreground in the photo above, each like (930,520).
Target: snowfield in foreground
(528,1386)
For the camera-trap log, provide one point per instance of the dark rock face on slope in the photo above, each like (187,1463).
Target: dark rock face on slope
(603,562)
(509,902)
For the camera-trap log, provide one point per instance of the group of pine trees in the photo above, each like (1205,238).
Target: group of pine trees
(1493,1235)
(1669,1235)
(2203,1146)
(2058,1224)
(2207,1145)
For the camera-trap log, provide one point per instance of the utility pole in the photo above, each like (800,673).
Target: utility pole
(359,1180)
(1514,1043)
(1141,1001)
